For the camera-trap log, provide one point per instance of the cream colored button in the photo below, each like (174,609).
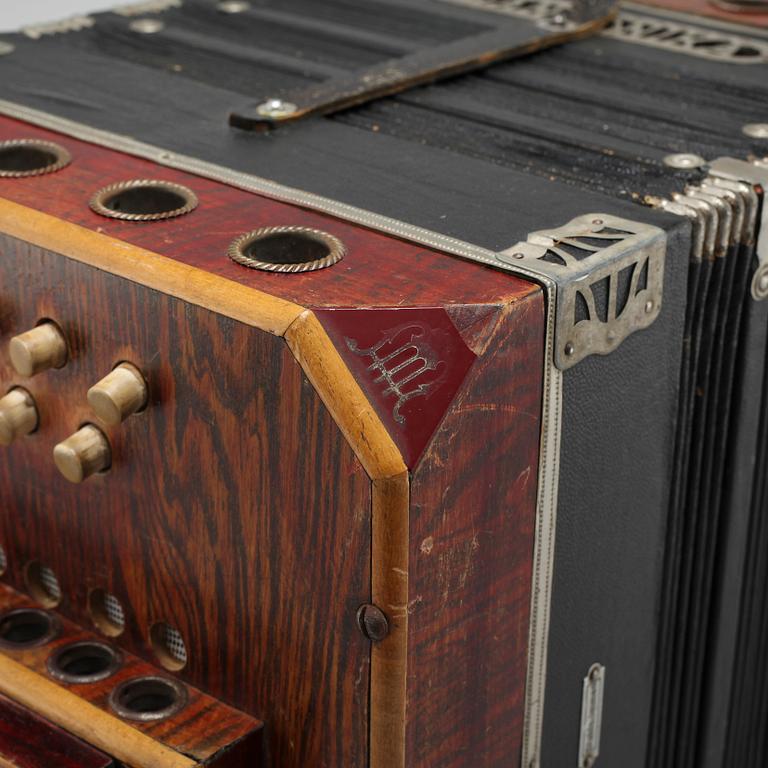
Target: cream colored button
(18,415)
(38,350)
(83,454)
(119,394)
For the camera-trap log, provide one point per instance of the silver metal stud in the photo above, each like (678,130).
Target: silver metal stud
(756,130)
(684,161)
(233,6)
(147,26)
(276,109)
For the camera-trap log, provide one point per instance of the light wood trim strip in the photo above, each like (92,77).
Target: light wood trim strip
(343,397)
(389,584)
(196,286)
(82,719)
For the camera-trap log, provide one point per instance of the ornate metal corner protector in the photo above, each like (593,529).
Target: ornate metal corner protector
(73,24)
(754,174)
(726,211)
(609,274)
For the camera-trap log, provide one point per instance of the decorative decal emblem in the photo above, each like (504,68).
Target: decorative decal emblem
(405,364)
(409,362)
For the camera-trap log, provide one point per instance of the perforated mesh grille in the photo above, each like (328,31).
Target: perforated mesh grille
(114,610)
(174,644)
(3,560)
(50,583)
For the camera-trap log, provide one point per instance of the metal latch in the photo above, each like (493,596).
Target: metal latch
(500,38)
(609,274)
(591,716)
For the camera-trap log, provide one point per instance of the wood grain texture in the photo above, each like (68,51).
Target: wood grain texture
(28,741)
(196,286)
(473,502)
(203,732)
(226,502)
(343,397)
(706,8)
(389,663)
(379,270)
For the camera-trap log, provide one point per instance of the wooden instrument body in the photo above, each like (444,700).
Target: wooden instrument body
(268,490)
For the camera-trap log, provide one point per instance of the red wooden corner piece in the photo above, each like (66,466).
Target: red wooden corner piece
(409,362)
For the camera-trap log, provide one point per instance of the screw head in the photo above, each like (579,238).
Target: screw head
(570,349)
(276,109)
(756,130)
(598,222)
(373,623)
(649,307)
(518,255)
(232,6)
(760,283)
(684,161)
(147,26)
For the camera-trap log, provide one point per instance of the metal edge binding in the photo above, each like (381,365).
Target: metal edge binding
(598,262)
(729,199)
(72,24)
(142,8)
(552,401)
(685,37)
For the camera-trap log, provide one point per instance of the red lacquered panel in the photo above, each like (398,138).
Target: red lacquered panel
(379,270)
(706,8)
(28,741)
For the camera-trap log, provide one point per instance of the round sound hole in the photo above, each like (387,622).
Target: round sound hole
(144,200)
(30,157)
(287,249)
(85,662)
(27,628)
(148,698)
(106,612)
(42,584)
(168,645)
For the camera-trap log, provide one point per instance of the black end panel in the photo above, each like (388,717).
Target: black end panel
(619,421)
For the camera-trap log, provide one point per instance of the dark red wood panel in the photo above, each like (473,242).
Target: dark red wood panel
(28,741)
(707,8)
(234,509)
(378,271)
(473,505)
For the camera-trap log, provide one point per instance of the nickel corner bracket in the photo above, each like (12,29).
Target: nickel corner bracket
(609,275)
(509,28)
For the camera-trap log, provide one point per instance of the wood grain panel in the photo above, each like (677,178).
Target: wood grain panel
(379,270)
(28,741)
(227,500)
(203,731)
(473,502)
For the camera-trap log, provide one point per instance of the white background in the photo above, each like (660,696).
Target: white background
(18,13)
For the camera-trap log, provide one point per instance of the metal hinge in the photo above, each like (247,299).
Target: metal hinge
(609,274)
(591,716)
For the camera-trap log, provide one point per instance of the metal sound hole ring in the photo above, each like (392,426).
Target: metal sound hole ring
(287,249)
(20,158)
(144,200)
(148,699)
(27,628)
(83,662)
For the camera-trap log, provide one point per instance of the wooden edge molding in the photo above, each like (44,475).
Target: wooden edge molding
(83,719)
(389,586)
(196,286)
(356,418)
